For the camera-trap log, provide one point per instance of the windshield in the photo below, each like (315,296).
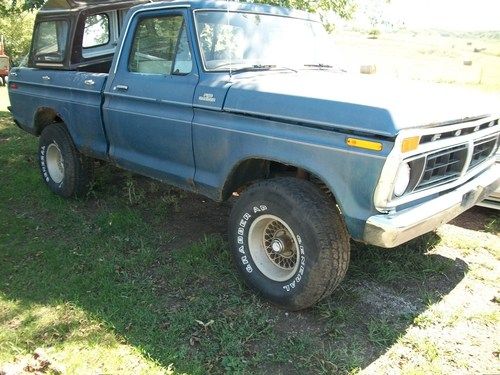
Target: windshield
(239,40)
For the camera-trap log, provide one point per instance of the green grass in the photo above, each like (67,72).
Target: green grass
(493,225)
(125,281)
(381,332)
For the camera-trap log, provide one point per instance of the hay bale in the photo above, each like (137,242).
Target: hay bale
(368,69)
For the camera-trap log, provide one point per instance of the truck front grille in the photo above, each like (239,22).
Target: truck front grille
(442,167)
(483,149)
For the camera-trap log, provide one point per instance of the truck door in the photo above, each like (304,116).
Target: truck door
(148,108)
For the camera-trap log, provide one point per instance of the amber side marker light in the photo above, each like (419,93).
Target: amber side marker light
(362,143)
(410,144)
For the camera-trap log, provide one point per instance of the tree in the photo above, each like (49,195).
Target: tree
(344,8)
(16,28)
(17,6)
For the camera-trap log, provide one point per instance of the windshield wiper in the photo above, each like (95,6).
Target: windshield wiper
(321,66)
(252,68)
(256,68)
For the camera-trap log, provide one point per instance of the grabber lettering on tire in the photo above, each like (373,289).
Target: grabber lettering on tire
(288,242)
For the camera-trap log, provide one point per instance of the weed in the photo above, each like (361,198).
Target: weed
(345,359)
(171,198)
(423,320)
(493,225)
(381,332)
(487,318)
(154,187)
(134,193)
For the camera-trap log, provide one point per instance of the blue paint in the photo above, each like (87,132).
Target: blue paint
(66,93)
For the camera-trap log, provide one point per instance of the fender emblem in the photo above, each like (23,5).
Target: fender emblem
(206,97)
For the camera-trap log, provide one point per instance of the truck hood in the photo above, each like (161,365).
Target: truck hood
(355,102)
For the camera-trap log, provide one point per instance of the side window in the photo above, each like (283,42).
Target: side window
(50,41)
(161,46)
(96,32)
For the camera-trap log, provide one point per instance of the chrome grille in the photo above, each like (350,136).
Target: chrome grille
(482,150)
(466,129)
(447,156)
(442,167)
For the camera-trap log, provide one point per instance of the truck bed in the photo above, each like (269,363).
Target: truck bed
(74,98)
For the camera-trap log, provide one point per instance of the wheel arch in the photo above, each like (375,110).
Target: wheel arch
(44,116)
(250,170)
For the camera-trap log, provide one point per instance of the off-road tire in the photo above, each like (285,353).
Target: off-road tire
(315,228)
(74,172)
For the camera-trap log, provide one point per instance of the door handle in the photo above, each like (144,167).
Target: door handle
(46,78)
(121,87)
(89,82)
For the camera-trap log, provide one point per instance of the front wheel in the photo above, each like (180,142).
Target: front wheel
(288,242)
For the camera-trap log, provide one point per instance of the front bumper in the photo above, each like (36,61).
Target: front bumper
(390,230)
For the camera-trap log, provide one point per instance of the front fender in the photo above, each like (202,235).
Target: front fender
(222,141)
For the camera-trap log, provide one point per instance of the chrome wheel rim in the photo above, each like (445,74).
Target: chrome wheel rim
(273,247)
(55,163)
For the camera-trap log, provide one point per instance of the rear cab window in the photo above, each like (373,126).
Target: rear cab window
(100,34)
(50,41)
(96,32)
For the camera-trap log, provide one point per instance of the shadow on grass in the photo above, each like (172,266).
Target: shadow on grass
(149,265)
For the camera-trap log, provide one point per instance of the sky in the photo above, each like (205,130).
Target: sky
(464,15)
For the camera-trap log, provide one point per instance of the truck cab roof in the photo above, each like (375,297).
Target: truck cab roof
(85,33)
(232,6)
(52,6)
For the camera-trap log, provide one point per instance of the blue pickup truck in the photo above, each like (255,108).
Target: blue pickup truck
(233,99)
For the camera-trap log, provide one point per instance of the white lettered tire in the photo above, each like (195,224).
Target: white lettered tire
(288,242)
(65,170)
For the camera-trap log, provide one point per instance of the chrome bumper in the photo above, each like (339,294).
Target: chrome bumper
(390,230)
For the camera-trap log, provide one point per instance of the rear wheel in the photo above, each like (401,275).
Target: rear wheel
(64,169)
(289,242)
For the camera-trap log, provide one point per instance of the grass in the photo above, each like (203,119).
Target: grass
(493,225)
(136,278)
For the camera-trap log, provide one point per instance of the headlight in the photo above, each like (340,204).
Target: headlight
(402,180)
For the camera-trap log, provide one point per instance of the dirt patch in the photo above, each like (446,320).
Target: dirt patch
(295,323)
(475,218)
(196,218)
(381,301)
(39,363)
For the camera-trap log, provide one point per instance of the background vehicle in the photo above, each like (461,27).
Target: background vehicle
(219,98)
(493,200)
(4,62)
